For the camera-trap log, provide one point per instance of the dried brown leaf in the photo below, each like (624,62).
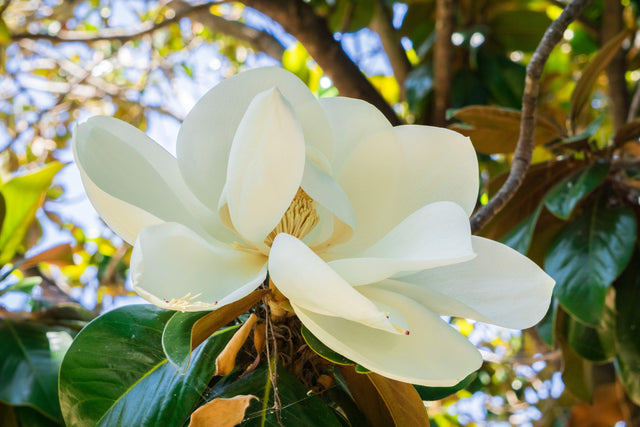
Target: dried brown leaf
(226,361)
(221,412)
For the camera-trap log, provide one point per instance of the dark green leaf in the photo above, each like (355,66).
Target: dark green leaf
(437,393)
(564,197)
(519,238)
(317,346)
(176,338)
(503,78)
(546,326)
(29,363)
(419,85)
(594,344)
(588,255)
(116,370)
(628,329)
(299,406)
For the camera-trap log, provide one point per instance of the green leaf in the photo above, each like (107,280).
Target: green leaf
(519,238)
(627,329)
(116,370)
(594,344)
(176,338)
(322,350)
(546,326)
(577,373)
(437,393)
(5,33)
(350,16)
(564,197)
(503,78)
(23,196)
(299,406)
(29,363)
(588,255)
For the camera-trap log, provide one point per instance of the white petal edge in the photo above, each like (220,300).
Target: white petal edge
(433,354)
(307,281)
(352,120)
(132,181)
(266,164)
(172,267)
(205,137)
(394,172)
(435,235)
(499,286)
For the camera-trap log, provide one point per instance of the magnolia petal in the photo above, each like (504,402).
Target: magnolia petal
(309,282)
(266,163)
(435,235)
(206,135)
(172,267)
(143,189)
(499,286)
(352,120)
(326,192)
(393,173)
(432,354)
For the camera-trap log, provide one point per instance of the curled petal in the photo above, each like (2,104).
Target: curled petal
(172,267)
(435,235)
(392,173)
(433,354)
(309,282)
(206,135)
(499,286)
(265,169)
(131,180)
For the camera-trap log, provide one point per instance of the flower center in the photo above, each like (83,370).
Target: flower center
(298,220)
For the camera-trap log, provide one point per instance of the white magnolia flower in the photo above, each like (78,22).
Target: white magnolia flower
(364,227)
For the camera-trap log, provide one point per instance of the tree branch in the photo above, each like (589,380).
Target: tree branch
(618,95)
(524,149)
(382,24)
(257,39)
(299,19)
(442,56)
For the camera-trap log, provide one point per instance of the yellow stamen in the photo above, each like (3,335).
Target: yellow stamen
(400,330)
(299,219)
(183,302)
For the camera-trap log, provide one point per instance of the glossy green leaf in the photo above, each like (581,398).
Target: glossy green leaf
(588,255)
(546,328)
(519,238)
(503,79)
(565,196)
(594,344)
(322,350)
(116,370)
(23,196)
(29,363)
(577,372)
(628,329)
(298,405)
(176,338)
(437,393)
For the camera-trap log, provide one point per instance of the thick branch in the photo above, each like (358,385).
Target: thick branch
(442,56)
(618,95)
(382,24)
(258,39)
(299,19)
(524,149)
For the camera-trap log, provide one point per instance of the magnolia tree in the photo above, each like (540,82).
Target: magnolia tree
(317,252)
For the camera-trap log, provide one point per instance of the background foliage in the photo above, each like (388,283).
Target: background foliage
(146,62)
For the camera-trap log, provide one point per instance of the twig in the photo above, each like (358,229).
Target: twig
(382,24)
(442,55)
(299,19)
(612,24)
(635,104)
(524,149)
